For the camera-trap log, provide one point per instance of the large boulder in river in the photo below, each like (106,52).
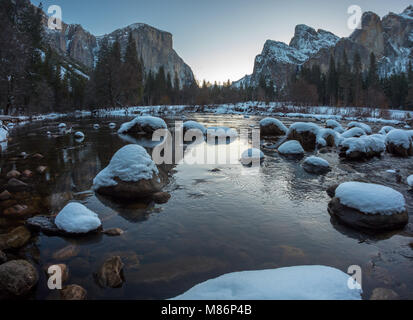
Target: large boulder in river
(131,174)
(17,278)
(145,125)
(271,127)
(369,206)
(305,133)
(399,143)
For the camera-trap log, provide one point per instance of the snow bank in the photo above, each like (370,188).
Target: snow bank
(273,122)
(371,198)
(353,132)
(292,147)
(366,128)
(399,137)
(76,218)
(193,125)
(146,121)
(294,283)
(130,164)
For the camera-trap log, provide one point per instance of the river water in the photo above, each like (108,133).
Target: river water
(217,221)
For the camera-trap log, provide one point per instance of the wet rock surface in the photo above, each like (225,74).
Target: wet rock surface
(17,278)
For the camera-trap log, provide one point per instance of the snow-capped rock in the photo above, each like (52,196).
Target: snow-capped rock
(291,148)
(399,142)
(362,148)
(79,135)
(131,174)
(353,133)
(143,125)
(336,126)
(371,206)
(76,218)
(293,283)
(304,132)
(272,127)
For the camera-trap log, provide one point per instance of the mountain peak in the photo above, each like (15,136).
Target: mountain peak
(408,12)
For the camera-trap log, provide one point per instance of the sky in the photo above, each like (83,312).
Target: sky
(219,39)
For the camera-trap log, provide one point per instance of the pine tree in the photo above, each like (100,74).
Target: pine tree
(132,75)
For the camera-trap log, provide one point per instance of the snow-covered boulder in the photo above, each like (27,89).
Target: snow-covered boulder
(328,138)
(143,125)
(353,133)
(291,148)
(293,283)
(252,156)
(336,126)
(316,165)
(75,218)
(305,133)
(271,127)
(131,174)
(112,125)
(79,135)
(365,127)
(385,130)
(362,148)
(96,126)
(369,206)
(62,126)
(399,143)
(193,125)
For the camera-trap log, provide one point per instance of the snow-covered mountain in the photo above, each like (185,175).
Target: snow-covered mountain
(153,45)
(278,60)
(390,39)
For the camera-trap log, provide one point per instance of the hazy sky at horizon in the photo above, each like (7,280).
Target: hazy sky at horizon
(219,39)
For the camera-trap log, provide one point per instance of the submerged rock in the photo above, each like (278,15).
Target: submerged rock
(114,232)
(369,206)
(384,294)
(131,174)
(64,269)
(161,197)
(66,253)
(13,174)
(73,292)
(110,274)
(17,278)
